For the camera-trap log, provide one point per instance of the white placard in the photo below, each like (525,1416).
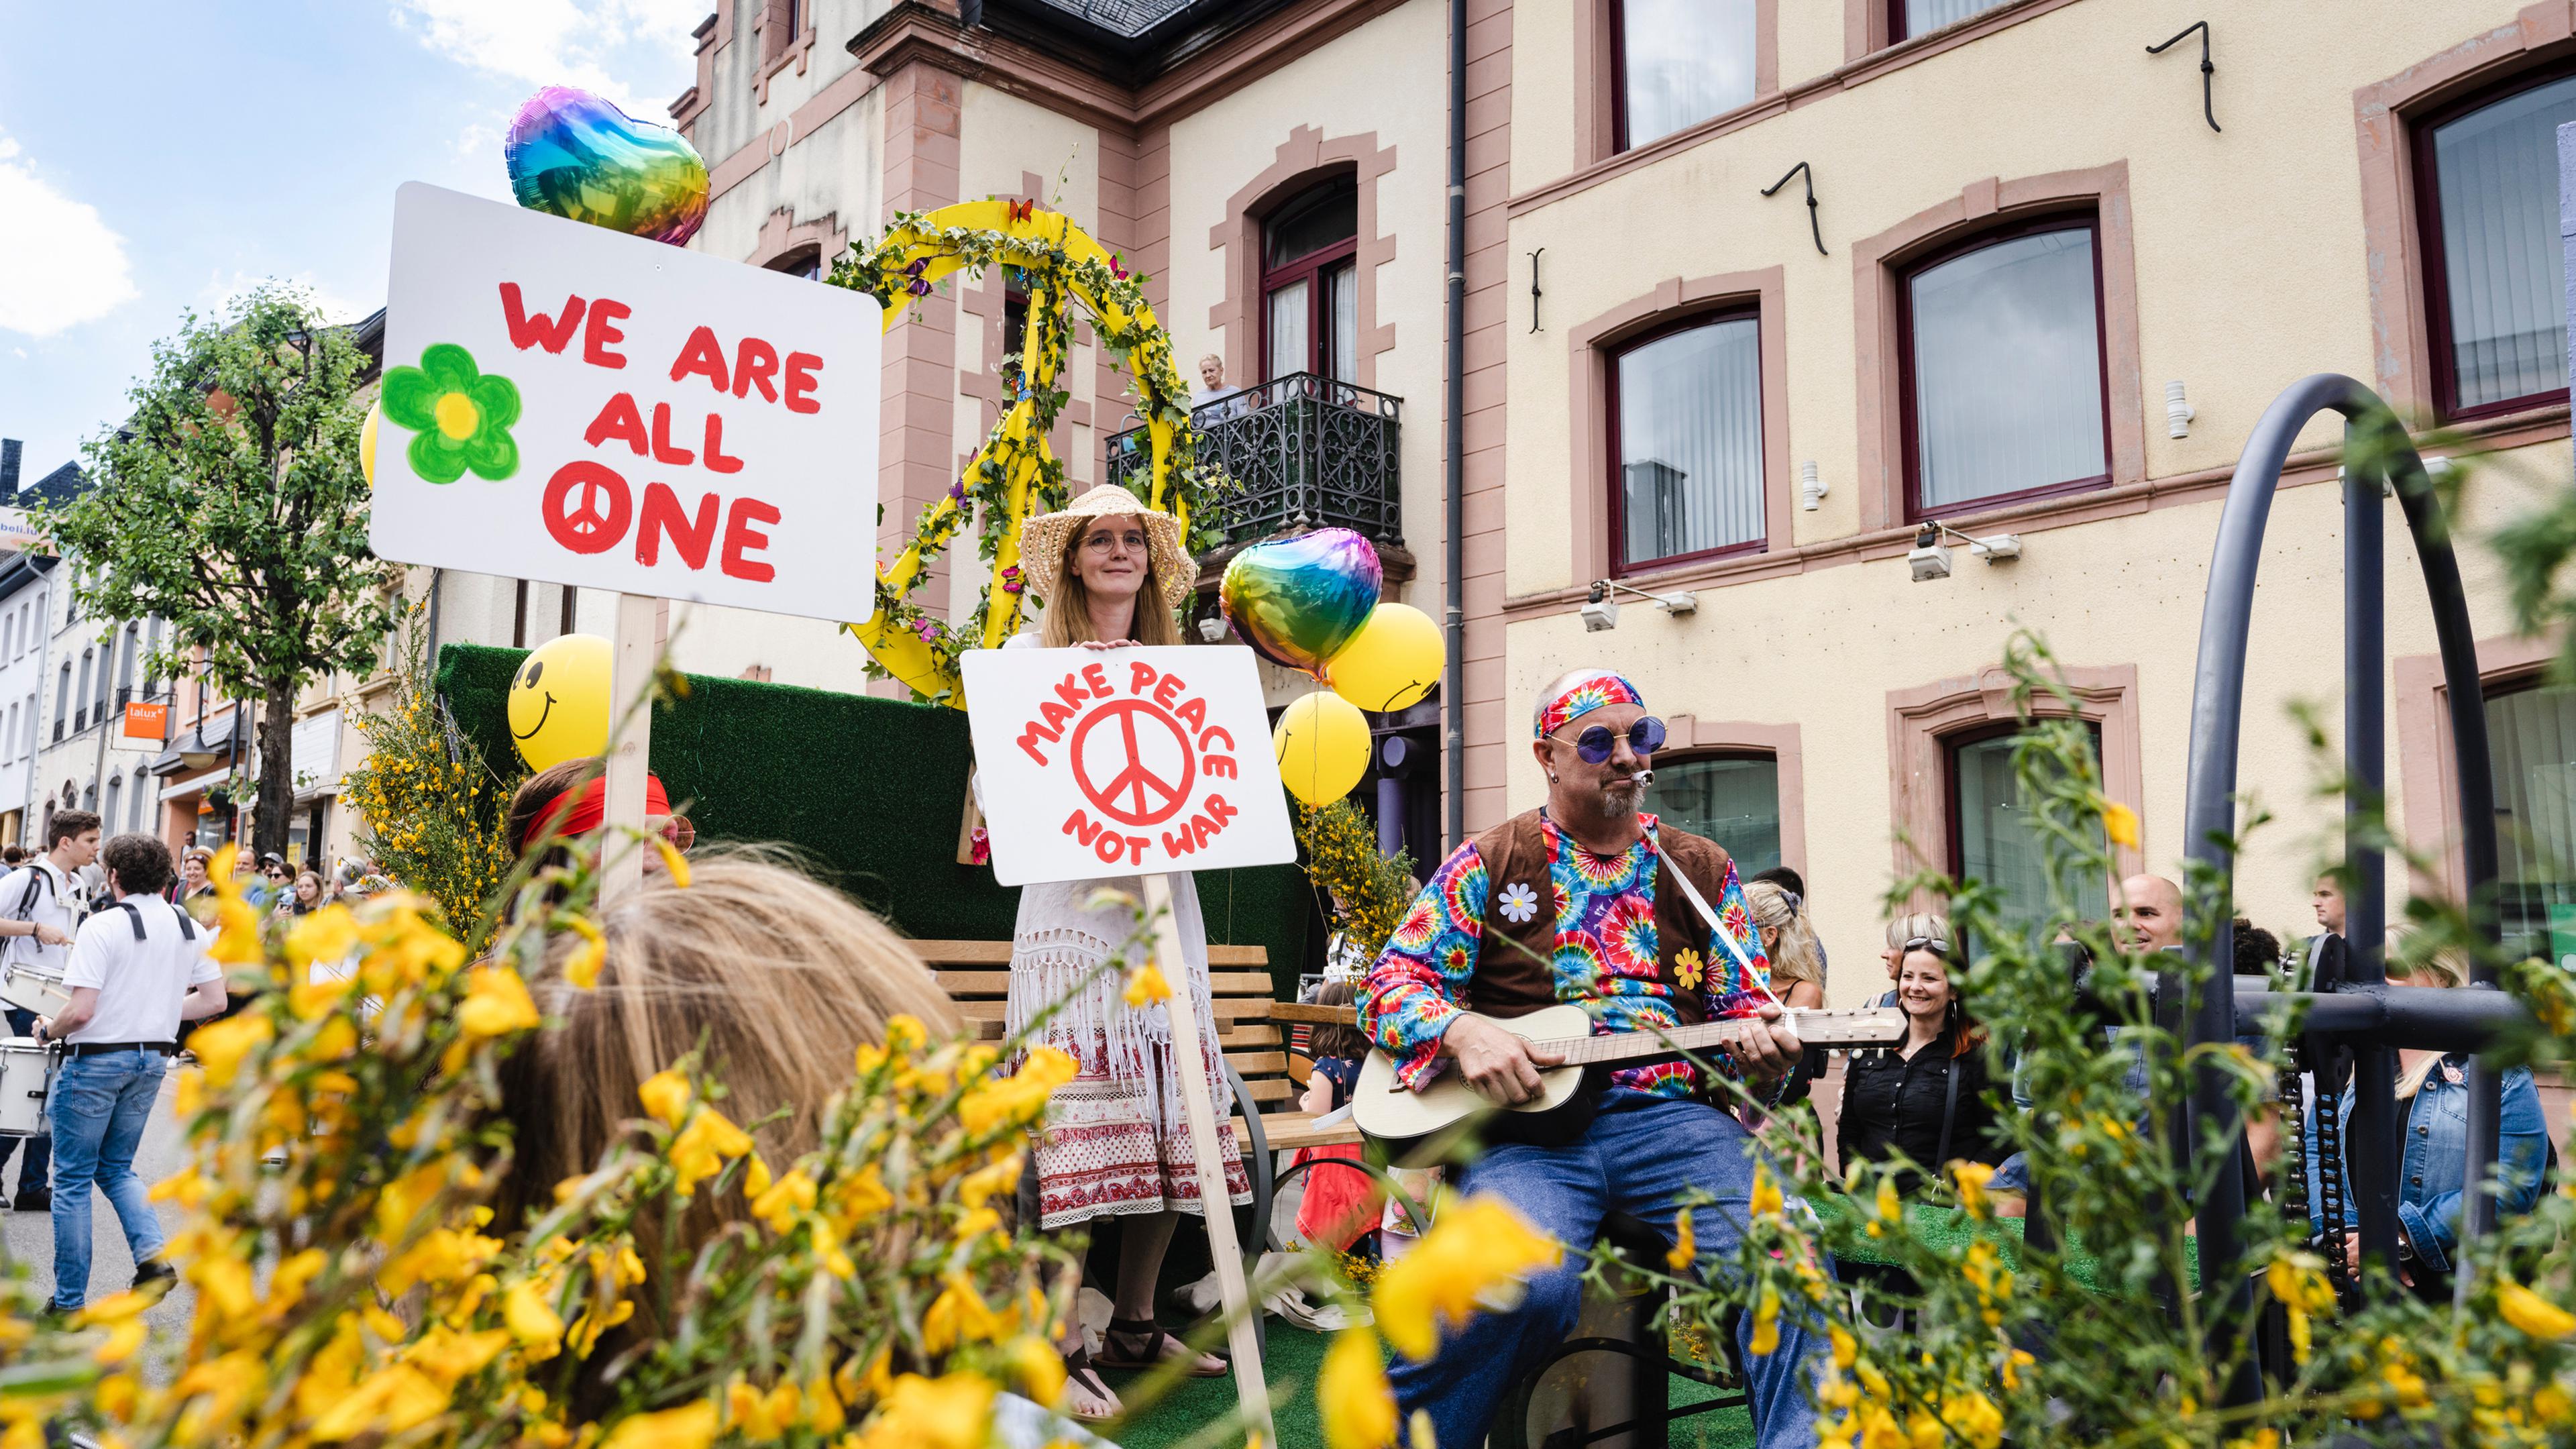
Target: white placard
(688,427)
(1118,762)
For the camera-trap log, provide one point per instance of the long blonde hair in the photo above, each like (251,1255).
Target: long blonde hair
(1797,957)
(779,977)
(1067,620)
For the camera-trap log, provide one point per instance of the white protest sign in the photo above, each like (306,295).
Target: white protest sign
(1124,762)
(567,403)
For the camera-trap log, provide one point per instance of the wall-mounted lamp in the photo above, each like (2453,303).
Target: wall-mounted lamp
(1929,559)
(1811,489)
(1601,611)
(2178,413)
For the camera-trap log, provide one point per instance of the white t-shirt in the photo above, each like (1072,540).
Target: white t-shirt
(42,892)
(140,983)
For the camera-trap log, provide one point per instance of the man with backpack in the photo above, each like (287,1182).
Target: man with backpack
(41,905)
(139,967)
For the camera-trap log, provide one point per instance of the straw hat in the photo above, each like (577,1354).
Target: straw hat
(1043,540)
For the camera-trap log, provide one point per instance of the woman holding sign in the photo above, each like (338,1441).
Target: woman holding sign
(1116,1145)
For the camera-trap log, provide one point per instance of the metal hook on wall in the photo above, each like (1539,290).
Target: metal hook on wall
(2207,69)
(1812,224)
(1534,293)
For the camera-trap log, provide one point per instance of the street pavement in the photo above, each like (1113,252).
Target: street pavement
(29,1241)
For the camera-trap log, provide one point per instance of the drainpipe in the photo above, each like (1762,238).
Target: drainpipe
(1454,483)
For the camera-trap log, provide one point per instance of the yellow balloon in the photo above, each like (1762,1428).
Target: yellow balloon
(1392,662)
(367,441)
(1323,747)
(559,701)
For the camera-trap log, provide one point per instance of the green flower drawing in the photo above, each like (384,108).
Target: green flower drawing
(460,418)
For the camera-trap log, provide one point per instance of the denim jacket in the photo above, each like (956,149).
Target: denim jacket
(2432,1179)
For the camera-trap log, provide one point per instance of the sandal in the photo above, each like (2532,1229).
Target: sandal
(1079,1373)
(1152,1348)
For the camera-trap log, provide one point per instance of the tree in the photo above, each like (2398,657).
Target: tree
(232,503)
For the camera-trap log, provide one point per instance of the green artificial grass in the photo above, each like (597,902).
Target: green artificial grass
(869,791)
(1949,1230)
(1291,1361)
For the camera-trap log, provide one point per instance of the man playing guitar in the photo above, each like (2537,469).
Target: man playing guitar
(1578,903)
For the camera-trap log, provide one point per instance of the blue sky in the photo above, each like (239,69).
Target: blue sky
(165,155)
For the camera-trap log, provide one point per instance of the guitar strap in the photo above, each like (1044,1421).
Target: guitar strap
(1716,932)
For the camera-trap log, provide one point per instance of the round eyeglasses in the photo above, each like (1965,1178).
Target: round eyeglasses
(1595,744)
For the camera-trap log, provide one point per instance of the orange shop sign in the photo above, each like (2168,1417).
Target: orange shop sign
(147,722)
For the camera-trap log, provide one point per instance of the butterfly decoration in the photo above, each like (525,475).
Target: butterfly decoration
(1022,210)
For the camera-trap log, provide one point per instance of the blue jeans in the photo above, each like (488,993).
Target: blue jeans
(1639,1155)
(99,1106)
(40,1148)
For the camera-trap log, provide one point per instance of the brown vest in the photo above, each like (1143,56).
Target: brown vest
(1511,982)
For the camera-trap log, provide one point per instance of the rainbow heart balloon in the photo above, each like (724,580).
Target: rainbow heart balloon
(1298,600)
(574,155)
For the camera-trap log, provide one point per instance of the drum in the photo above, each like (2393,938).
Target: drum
(31,987)
(26,1074)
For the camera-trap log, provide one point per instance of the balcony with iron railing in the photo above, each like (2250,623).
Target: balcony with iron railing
(1304,451)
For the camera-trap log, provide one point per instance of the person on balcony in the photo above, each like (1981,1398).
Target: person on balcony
(1116,1144)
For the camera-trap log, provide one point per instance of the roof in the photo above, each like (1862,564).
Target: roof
(1126,19)
(60,486)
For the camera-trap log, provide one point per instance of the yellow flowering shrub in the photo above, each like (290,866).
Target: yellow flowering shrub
(433,810)
(352,1285)
(1342,857)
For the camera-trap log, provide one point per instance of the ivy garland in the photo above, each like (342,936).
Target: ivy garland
(1014,476)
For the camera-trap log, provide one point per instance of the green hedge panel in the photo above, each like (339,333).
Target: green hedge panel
(869,790)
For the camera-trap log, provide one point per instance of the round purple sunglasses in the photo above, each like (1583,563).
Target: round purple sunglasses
(1595,744)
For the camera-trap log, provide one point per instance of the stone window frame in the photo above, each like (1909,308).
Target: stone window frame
(1924,719)
(1597,78)
(1592,346)
(780,48)
(1992,204)
(2426,773)
(2541,37)
(1687,737)
(782,236)
(1306,158)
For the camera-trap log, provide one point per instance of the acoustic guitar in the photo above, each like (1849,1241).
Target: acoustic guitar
(1388,1113)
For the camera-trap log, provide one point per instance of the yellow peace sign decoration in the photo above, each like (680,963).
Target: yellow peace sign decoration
(1014,476)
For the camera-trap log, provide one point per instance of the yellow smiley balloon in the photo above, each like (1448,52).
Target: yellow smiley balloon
(559,701)
(367,441)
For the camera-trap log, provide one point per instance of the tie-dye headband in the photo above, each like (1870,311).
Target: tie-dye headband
(1582,697)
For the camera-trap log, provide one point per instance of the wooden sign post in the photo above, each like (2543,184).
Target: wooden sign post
(1104,765)
(630,684)
(1234,1296)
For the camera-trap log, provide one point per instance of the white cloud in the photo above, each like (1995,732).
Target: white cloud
(59,264)
(637,53)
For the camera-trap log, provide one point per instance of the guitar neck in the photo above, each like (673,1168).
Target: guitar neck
(1869,1027)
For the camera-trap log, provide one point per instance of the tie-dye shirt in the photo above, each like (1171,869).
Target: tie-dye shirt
(1605,957)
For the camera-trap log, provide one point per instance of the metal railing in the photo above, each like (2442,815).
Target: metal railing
(1304,450)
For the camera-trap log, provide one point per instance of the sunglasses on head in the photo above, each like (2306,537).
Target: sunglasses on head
(1934,944)
(1595,744)
(675,829)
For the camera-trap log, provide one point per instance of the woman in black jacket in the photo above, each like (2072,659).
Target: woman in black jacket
(1925,1098)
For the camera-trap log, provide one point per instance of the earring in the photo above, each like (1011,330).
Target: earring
(1551,777)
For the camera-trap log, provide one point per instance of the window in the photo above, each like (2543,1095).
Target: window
(1686,443)
(2003,372)
(1680,62)
(63,700)
(134,819)
(125,661)
(1992,838)
(2487,180)
(2531,740)
(1015,327)
(80,714)
(1909,18)
(1310,284)
(1732,799)
(806,262)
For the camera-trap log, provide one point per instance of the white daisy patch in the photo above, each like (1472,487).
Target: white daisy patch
(1519,903)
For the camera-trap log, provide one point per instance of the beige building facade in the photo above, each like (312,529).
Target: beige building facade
(2039,295)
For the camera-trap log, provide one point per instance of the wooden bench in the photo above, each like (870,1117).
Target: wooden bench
(977,976)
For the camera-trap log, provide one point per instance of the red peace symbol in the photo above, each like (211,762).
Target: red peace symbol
(595,520)
(1141,788)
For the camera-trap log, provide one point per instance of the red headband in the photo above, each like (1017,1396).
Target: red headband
(580,814)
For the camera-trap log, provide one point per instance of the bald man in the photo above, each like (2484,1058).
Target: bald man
(2149,914)
(1587,901)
